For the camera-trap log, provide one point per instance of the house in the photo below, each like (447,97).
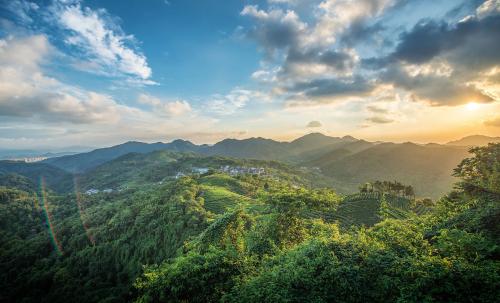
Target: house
(239,170)
(199,170)
(92,191)
(107,190)
(179,175)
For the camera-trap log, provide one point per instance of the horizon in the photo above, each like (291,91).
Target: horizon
(84,149)
(99,73)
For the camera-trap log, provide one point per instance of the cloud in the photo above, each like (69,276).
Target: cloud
(441,63)
(336,16)
(379,120)
(26,92)
(437,90)
(163,107)
(276,29)
(335,87)
(314,124)
(488,8)
(470,42)
(100,40)
(494,122)
(376,109)
(309,62)
(22,10)
(236,99)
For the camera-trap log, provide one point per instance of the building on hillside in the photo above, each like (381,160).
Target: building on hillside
(107,190)
(199,170)
(92,191)
(241,170)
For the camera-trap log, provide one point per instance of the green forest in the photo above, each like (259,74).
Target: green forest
(208,235)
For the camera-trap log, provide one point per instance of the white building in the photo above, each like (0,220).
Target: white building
(92,191)
(199,170)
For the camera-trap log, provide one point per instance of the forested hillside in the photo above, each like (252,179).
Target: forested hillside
(226,231)
(450,254)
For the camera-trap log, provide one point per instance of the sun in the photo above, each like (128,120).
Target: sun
(472,106)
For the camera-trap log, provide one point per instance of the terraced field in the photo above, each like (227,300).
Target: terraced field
(365,209)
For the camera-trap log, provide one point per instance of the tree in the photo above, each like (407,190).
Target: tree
(481,172)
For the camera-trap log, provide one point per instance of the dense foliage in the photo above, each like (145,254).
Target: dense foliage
(245,238)
(449,255)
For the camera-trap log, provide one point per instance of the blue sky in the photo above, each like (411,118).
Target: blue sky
(103,72)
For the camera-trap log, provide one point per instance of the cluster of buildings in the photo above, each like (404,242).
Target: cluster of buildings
(94,191)
(194,171)
(230,170)
(242,170)
(28,159)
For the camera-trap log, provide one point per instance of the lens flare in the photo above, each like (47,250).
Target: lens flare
(81,211)
(48,218)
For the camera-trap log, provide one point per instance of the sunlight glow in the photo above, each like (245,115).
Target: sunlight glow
(472,106)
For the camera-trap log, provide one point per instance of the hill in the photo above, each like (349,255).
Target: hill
(252,148)
(475,140)
(85,161)
(426,168)
(222,236)
(347,161)
(55,178)
(136,170)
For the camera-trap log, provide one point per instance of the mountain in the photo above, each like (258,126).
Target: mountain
(85,161)
(347,160)
(55,178)
(335,152)
(316,140)
(427,168)
(138,170)
(475,140)
(252,148)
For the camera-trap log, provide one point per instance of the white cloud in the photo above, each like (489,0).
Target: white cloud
(26,92)
(163,107)
(101,39)
(337,15)
(488,8)
(233,101)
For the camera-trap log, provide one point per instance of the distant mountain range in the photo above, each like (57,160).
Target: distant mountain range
(475,140)
(347,161)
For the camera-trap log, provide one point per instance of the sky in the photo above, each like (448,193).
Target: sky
(98,73)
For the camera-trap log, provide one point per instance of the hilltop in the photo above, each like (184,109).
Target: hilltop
(475,140)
